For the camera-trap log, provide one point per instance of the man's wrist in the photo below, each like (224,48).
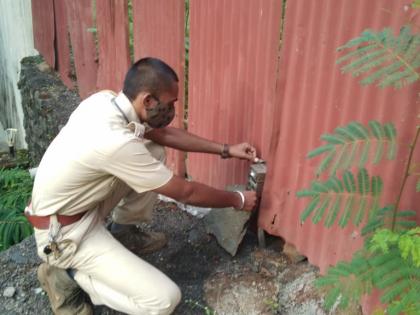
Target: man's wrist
(225,151)
(241,199)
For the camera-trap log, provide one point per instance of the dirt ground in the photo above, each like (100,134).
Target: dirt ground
(255,281)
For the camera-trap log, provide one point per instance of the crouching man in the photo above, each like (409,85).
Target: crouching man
(110,156)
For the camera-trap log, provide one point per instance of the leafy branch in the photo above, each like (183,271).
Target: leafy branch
(357,197)
(352,145)
(388,60)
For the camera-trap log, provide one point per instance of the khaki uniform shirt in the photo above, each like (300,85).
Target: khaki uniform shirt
(94,149)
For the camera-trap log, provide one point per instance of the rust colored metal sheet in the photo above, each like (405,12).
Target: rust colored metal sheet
(159,32)
(114,54)
(314,97)
(43,27)
(79,15)
(232,79)
(62,43)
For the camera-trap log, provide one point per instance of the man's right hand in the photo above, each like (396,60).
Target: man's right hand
(250,200)
(201,195)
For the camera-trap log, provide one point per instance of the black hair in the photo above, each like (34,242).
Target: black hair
(150,75)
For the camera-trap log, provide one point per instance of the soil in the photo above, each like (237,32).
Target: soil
(255,281)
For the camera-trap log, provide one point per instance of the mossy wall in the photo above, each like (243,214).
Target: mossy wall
(47,104)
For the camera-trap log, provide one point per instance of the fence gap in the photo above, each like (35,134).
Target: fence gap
(131,30)
(186,63)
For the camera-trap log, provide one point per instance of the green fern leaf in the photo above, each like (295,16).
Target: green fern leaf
(365,154)
(338,186)
(405,225)
(387,280)
(349,182)
(418,186)
(343,146)
(351,156)
(358,130)
(372,226)
(377,129)
(340,159)
(333,139)
(321,210)
(326,162)
(377,185)
(332,215)
(320,150)
(379,134)
(339,289)
(395,291)
(309,209)
(356,52)
(331,298)
(357,199)
(388,60)
(319,187)
(378,152)
(306,193)
(363,181)
(382,60)
(348,209)
(343,131)
(380,73)
(406,213)
(391,133)
(363,61)
(361,212)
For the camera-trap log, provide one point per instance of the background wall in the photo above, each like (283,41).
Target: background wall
(262,71)
(16,42)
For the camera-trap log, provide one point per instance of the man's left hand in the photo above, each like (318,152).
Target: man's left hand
(243,151)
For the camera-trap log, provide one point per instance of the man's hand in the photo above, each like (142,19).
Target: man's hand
(250,200)
(243,151)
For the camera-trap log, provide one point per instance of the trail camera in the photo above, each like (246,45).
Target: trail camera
(256,177)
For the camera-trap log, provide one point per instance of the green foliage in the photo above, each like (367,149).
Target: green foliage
(416,4)
(15,191)
(398,279)
(384,58)
(404,220)
(390,258)
(356,196)
(352,145)
(199,306)
(408,243)
(346,282)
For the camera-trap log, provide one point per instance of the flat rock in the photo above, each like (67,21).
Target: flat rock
(228,225)
(9,292)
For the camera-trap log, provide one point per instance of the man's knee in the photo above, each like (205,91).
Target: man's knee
(172,298)
(165,301)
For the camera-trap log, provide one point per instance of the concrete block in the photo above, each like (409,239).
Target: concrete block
(228,225)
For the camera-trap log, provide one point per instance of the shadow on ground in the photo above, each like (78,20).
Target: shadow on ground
(254,282)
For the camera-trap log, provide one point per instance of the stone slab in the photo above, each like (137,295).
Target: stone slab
(228,225)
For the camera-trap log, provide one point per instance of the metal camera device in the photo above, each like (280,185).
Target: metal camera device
(256,178)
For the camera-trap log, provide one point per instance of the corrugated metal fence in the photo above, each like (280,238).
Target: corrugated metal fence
(263,71)
(90,41)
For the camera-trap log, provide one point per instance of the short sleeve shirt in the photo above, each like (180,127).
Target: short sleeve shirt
(95,148)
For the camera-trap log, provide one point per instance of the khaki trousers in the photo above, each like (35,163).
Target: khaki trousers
(105,269)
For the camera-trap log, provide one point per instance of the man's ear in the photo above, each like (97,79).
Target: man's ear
(148,100)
